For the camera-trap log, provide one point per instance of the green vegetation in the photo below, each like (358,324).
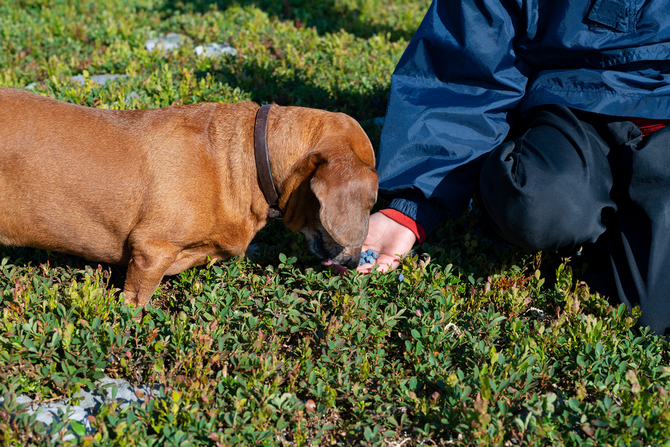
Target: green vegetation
(480,344)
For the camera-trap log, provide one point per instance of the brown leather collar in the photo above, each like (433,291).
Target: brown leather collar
(263,168)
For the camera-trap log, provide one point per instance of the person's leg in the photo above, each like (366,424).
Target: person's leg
(560,185)
(547,189)
(639,236)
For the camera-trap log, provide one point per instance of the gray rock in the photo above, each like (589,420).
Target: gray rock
(98,79)
(215,49)
(125,393)
(49,413)
(132,95)
(23,400)
(168,42)
(129,97)
(86,403)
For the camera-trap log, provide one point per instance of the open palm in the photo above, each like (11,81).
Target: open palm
(390,240)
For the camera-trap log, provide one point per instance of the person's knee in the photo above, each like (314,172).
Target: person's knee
(540,208)
(542,220)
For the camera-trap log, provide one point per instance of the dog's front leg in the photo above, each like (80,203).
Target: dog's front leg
(148,263)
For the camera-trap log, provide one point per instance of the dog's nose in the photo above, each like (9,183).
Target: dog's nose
(351,262)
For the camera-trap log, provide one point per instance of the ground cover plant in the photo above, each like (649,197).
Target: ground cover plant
(476,343)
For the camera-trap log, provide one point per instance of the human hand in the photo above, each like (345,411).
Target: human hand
(390,240)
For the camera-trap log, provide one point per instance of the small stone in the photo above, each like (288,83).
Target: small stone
(132,96)
(82,405)
(100,79)
(23,400)
(215,49)
(168,42)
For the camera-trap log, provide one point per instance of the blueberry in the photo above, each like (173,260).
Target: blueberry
(401,277)
(368,257)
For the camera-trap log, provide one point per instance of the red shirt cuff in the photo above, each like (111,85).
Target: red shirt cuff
(649,126)
(405,221)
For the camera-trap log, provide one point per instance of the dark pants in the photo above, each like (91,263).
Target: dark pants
(573,178)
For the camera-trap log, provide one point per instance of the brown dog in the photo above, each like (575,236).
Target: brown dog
(163,190)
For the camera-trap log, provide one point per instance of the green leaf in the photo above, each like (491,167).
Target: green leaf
(78,428)
(29,344)
(413,382)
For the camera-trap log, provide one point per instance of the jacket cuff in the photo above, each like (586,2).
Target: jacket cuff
(406,222)
(419,209)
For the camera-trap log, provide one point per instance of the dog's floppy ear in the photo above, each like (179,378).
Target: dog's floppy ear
(346,189)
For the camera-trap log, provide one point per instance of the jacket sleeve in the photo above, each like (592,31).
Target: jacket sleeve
(452,99)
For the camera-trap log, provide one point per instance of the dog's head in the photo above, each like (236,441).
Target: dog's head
(329,194)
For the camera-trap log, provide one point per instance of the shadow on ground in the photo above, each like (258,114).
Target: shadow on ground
(64,267)
(327,16)
(266,87)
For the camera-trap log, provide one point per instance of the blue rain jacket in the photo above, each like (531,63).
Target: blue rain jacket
(474,65)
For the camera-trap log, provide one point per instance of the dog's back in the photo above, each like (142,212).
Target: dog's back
(56,169)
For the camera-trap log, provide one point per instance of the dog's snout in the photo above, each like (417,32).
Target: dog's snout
(351,262)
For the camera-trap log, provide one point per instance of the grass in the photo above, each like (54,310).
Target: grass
(480,344)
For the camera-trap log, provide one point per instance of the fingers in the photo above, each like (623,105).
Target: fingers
(384,263)
(369,268)
(365,268)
